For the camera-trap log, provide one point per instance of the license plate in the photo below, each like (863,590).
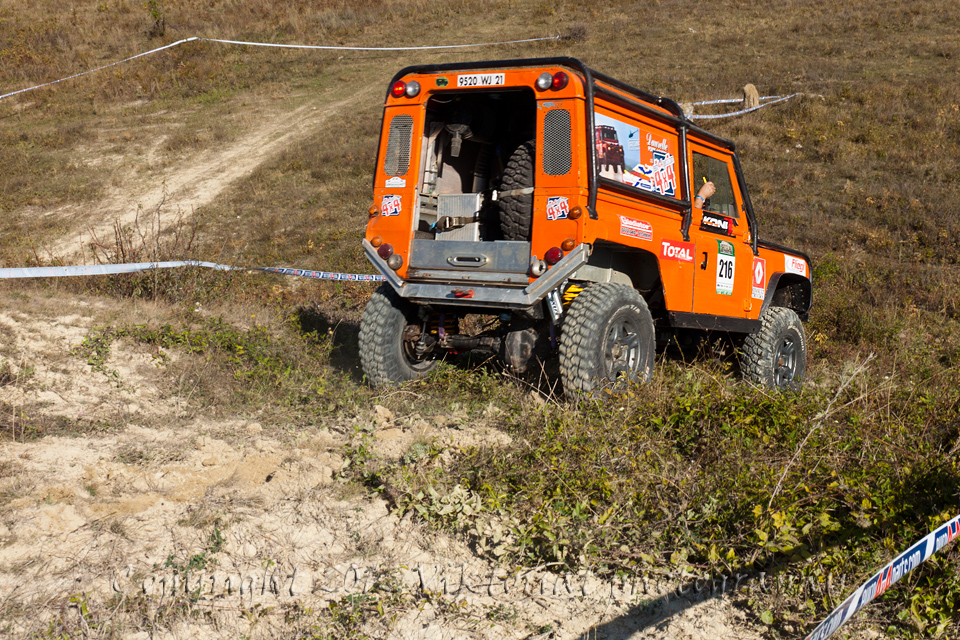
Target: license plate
(481,80)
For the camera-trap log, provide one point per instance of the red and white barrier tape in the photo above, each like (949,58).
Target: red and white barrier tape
(879,583)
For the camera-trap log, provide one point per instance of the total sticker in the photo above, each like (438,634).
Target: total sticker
(726,267)
(793,264)
(557,208)
(390,206)
(759,278)
(636,228)
(679,251)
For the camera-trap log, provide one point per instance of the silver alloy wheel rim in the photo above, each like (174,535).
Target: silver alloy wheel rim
(785,362)
(622,354)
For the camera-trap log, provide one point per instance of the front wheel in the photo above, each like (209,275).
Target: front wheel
(385,356)
(776,355)
(607,339)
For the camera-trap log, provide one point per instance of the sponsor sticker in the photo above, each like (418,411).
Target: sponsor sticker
(759,278)
(394,183)
(390,206)
(442,82)
(726,267)
(714,223)
(481,80)
(636,228)
(679,251)
(658,176)
(793,264)
(557,208)
(635,156)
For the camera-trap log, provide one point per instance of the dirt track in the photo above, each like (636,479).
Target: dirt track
(97,520)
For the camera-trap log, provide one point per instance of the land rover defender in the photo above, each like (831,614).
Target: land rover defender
(558,205)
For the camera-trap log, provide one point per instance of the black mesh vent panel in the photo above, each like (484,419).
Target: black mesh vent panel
(398,145)
(556,142)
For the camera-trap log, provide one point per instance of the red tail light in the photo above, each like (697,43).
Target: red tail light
(553,255)
(398,89)
(560,80)
(385,250)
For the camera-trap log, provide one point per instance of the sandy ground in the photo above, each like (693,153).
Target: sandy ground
(98,521)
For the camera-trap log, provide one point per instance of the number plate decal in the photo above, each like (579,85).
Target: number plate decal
(726,267)
(481,80)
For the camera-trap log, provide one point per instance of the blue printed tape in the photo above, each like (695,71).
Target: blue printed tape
(323,275)
(883,579)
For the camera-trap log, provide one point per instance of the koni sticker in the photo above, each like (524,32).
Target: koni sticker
(636,228)
(557,208)
(793,264)
(390,206)
(679,251)
(726,267)
(715,223)
(628,154)
(759,278)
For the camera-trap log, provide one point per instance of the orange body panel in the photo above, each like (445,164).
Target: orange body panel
(639,152)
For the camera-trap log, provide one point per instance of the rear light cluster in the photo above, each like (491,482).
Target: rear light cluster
(557,81)
(552,256)
(400,88)
(385,251)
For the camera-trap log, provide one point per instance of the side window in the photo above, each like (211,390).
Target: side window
(716,171)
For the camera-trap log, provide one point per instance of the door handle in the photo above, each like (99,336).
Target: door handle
(703,265)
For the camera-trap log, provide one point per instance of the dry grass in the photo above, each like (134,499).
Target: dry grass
(862,172)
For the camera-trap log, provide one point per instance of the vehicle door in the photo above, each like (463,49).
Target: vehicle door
(723,260)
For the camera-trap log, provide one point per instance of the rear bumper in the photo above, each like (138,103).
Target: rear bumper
(481,293)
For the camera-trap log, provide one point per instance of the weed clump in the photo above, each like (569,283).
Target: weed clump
(696,473)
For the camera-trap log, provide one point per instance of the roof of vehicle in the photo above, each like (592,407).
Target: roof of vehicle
(668,108)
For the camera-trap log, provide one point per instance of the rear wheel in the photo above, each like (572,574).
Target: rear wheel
(385,356)
(776,355)
(516,210)
(607,339)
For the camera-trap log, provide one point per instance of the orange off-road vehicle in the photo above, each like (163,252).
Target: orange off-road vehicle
(559,203)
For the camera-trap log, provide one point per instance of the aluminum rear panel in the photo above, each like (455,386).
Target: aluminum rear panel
(476,257)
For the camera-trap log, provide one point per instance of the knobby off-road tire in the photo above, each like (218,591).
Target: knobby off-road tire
(607,339)
(776,355)
(383,355)
(516,212)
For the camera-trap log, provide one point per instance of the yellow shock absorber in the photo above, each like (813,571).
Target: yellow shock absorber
(572,292)
(451,324)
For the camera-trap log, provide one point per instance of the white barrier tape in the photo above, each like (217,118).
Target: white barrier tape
(106,66)
(742,111)
(285,46)
(879,583)
(333,48)
(103,269)
(726,101)
(113,269)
